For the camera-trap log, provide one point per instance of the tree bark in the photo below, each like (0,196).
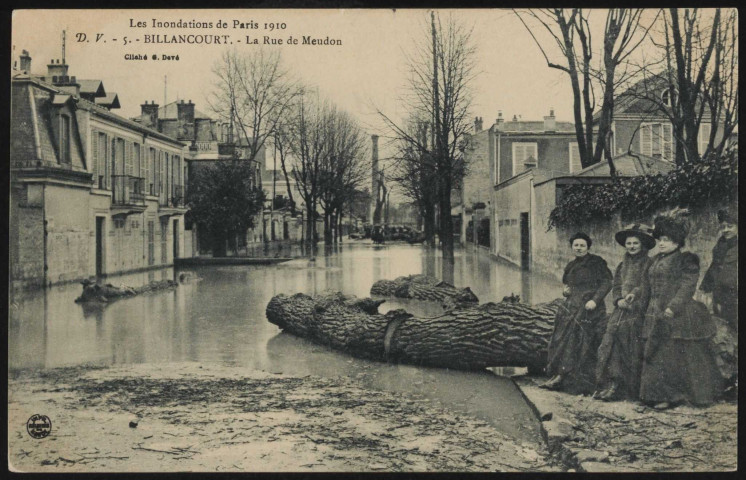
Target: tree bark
(423,287)
(493,334)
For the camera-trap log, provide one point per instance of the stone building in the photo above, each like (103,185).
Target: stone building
(92,193)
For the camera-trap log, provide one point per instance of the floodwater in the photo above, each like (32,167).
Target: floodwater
(220,317)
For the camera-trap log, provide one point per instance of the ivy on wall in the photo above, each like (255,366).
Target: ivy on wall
(692,185)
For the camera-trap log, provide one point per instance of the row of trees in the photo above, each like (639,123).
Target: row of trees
(318,145)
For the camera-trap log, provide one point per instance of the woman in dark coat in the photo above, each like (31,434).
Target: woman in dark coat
(580,322)
(722,277)
(678,366)
(620,353)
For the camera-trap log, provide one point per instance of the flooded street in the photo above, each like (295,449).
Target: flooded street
(220,318)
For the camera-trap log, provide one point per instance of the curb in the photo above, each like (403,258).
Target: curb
(554,442)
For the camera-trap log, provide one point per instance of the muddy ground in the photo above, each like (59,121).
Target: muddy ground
(193,417)
(625,436)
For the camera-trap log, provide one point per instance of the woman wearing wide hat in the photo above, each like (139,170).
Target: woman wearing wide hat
(620,353)
(677,364)
(580,321)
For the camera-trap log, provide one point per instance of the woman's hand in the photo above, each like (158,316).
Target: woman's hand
(668,313)
(590,305)
(622,303)
(566,291)
(629,298)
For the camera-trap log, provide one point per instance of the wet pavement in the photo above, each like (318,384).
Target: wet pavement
(220,317)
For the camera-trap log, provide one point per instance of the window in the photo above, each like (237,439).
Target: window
(668,97)
(525,155)
(64,139)
(100,143)
(151,172)
(136,167)
(575,165)
(656,140)
(703,137)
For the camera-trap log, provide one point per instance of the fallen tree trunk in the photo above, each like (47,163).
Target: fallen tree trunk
(469,338)
(423,287)
(93,292)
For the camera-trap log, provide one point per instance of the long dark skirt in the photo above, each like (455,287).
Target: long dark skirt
(620,353)
(573,348)
(680,371)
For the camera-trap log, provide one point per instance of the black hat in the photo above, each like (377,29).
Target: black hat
(636,230)
(673,225)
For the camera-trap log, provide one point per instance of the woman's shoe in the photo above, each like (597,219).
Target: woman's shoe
(662,406)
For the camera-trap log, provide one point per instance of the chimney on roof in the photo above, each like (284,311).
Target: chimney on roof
(185,112)
(478,124)
(550,122)
(25,61)
(67,84)
(500,120)
(515,118)
(57,69)
(151,110)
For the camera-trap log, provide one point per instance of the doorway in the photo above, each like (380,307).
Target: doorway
(99,246)
(176,239)
(525,241)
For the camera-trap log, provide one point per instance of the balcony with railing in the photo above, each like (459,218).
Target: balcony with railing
(173,201)
(128,194)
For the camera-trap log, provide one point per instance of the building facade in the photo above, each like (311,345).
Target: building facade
(92,193)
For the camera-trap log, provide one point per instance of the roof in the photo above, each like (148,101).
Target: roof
(629,165)
(170,111)
(535,126)
(110,100)
(92,87)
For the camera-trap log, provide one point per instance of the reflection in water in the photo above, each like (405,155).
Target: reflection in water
(220,317)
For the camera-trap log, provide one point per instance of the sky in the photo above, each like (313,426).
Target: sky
(368,71)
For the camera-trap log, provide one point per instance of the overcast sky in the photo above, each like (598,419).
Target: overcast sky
(368,70)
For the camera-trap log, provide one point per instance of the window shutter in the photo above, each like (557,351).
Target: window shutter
(93,158)
(668,142)
(575,164)
(646,144)
(128,158)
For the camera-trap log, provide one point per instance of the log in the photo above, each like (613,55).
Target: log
(92,292)
(423,287)
(468,338)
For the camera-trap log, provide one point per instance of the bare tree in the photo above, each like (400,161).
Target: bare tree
(255,91)
(570,49)
(701,55)
(343,169)
(414,172)
(442,69)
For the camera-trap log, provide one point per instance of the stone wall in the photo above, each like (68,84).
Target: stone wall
(552,253)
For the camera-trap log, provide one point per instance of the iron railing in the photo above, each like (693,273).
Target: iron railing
(128,190)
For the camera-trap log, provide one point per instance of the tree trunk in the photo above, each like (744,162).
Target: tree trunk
(446,231)
(429,220)
(423,287)
(493,334)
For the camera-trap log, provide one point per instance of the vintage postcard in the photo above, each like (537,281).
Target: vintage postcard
(373,240)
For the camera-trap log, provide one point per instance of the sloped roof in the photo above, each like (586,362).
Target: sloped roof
(92,87)
(110,100)
(629,165)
